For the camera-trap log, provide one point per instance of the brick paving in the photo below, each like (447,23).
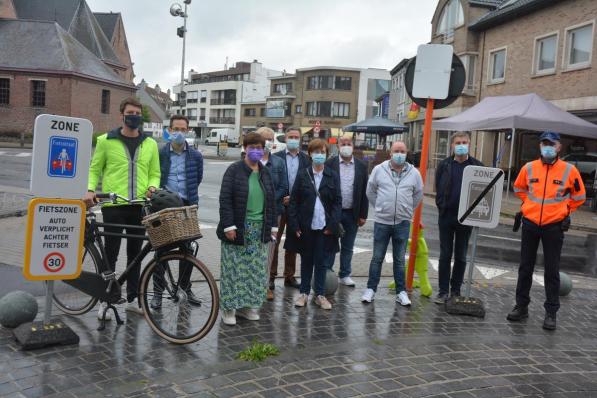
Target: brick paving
(376,350)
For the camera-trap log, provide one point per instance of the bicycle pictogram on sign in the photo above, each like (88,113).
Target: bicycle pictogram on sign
(62,159)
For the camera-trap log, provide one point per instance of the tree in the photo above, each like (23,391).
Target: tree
(146,114)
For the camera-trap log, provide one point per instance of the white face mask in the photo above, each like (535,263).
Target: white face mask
(269,145)
(346,151)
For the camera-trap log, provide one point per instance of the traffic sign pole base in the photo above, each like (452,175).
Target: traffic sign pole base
(34,335)
(465,306)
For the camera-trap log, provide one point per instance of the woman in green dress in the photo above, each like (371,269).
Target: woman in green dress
(247,215)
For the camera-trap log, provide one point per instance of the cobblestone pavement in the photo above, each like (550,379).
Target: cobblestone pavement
(375,350)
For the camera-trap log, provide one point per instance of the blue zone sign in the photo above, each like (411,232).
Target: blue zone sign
(62,157)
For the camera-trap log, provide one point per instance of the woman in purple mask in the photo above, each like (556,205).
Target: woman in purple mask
(247,215)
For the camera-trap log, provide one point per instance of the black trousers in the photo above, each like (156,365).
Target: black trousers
(131,215)
(552,237)
(453,239)
(184,275)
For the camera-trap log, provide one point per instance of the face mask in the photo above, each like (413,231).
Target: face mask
(461,149)
(269,145)
(254,154)
(133,121)
(178,138)
(318,158)
(292,144)
(548,152)
(399,158)
(346,151)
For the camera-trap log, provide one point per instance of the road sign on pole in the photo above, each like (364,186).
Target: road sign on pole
(432,71)
(61,156)
(486,214)
(54,239)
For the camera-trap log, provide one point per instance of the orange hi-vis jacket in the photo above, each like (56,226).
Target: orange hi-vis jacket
(549,192)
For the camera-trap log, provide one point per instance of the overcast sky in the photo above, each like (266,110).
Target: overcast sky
(281,34)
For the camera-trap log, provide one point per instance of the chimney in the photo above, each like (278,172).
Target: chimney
(157,88)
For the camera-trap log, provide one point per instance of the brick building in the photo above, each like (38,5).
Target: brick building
(512,47)
(55,57)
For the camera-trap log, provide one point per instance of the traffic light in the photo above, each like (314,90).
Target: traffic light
(180,31)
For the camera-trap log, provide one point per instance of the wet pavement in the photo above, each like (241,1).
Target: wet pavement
(374,350)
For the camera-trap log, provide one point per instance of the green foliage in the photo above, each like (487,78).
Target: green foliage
(146,114)
(258,352)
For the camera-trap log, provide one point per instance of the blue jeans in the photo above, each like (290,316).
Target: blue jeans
(313,262)
(453,237)
(381,237)
(346,245)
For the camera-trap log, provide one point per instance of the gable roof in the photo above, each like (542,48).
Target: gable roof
(486,3)
(509,12)
(160,97)
(107,21)
(400,65)
(76,18)
(49,49)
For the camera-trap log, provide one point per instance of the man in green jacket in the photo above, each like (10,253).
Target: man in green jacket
(128,163)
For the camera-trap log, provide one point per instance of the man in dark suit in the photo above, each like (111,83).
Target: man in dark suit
(355,205)
(295,160)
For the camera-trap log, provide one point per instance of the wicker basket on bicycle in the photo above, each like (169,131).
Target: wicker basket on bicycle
(172,225)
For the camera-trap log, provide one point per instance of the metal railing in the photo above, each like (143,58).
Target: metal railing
(223,101)
(222,120)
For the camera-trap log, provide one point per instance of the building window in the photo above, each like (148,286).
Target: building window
(192,114)
(320,83)
(203,96)
(250,112)
(105,101)
(277,108)
(470,62)
(497,66)
(192,97)
(283,88)
(38,93)
(545,54)
(322,108)
(579,45)
(202,114)
(262,112)
(343,83)
(341,109)
(298,109)
(451,18)
(4,91)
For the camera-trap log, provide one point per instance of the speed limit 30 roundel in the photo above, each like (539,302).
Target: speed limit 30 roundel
(54,262)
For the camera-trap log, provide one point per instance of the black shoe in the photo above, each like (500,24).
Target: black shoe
(156,302)
(455,293)
(518,314)
(441,298)
(272,285)
(191,298)
(550,322)
(292,283)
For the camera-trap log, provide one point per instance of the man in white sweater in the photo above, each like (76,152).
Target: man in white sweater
(395,189)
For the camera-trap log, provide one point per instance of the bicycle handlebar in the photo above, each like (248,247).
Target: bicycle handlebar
(114,197)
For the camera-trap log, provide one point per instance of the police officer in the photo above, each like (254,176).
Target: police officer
(550,189)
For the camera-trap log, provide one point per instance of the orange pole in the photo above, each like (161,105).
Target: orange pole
(419,212)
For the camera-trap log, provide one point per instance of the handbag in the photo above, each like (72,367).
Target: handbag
(340,228)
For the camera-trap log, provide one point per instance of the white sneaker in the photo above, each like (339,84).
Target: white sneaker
(252,314)
(229,317)
(402,298)
(100,312)
(323,303)
(301,300)
(368,296)
(347,281)
(134,307)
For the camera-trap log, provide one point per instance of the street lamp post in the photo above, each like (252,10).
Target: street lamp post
(176,11)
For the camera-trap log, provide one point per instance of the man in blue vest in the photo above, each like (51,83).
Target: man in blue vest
(181,169)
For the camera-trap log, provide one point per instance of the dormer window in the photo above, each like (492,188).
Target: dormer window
(451,18)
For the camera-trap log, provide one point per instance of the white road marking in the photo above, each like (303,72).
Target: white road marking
(500,237)
(357,250)
(23,154)
(207,226)
(538,279)
(434,264)
(490,272)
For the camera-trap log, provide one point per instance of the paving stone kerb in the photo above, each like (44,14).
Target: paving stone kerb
(376,350)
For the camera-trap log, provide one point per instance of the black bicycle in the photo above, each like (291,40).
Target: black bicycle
(190,299)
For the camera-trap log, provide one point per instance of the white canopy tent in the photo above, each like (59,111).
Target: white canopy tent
(529,112)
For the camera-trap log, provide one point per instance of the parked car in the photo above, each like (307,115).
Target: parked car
(586,163)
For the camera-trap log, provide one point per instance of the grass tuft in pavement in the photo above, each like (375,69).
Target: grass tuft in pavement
(258,352)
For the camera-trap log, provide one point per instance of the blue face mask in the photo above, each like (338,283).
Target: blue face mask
(399,158)
(178,138)
(318,158)
(548,152)
(292,144)
(461,149)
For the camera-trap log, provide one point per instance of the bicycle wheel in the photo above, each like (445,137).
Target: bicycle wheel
(189,298)
(71,300)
